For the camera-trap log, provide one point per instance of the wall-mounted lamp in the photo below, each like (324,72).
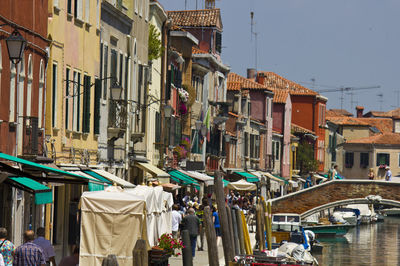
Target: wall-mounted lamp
(116,91)
(168,111)
(16,46)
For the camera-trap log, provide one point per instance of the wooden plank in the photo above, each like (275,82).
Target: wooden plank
(229,214)
(140,255)
(211,237)
(235,232)
(240,232)
(223,218)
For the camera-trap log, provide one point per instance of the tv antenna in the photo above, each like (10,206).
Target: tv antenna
(380,95)
(252,26)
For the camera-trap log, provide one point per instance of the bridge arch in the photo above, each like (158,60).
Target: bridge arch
(337,192)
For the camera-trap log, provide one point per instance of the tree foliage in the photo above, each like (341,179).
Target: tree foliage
(305,158)
(155,44)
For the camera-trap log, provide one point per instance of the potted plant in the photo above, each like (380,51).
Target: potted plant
(170,245)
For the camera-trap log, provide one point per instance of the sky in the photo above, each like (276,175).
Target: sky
(321,44)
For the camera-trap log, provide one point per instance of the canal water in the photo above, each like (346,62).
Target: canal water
(374,244)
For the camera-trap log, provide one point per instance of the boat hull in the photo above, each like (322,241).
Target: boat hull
(330,230)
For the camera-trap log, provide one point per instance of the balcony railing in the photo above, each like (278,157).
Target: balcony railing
(117,114)
(32,137)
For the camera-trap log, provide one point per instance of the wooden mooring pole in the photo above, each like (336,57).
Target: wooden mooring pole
(211,237)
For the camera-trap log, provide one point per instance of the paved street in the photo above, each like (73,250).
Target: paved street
(201,258)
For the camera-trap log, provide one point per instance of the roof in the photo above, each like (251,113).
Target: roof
(237,82)
(274,81)
(347,121)
(338,112)
(280,96)
(385,139)
(377,114)
(196,18)
(384,125)
(298,129)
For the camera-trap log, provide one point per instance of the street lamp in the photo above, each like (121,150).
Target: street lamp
(116,91)
(167,111)
(15,46)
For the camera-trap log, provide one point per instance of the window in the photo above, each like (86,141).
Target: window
(98,15)
(76,100)
(86,105)
(67,87)
(55,3)
(158,128)
(136,6)
(114,59)
(246,144)
(249,108)
(29,88)
(321,118)
(78,8)
(196,148)
(54,97)
(218,42)
(20,94)
(12,93)
(364,159)
(121,65)
(197,84)
(87,11)
(105,71)
(41,87)
(146,10)
(277,150)
(382,159)
(349,159)
(140,7)
(126,85)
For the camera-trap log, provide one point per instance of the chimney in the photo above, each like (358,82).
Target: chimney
(359,110)
(261,78)
(251,73)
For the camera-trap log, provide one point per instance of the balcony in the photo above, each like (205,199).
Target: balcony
(32,136)
(117,118)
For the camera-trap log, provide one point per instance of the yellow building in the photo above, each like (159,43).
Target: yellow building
(71,127)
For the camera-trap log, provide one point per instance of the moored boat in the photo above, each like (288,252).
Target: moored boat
(330,230)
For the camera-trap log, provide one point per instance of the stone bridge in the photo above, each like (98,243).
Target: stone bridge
(335,193)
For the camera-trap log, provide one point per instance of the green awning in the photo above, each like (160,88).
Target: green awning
(42,193)
(226,182)
(249,177)
(95,187)
(183,179)
(43,168)
(282,178)
(97,176)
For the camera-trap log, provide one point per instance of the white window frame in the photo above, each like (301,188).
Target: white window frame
(40,100)
(136,6)
(29,87)
(141,8)
(79,9)
(74,100)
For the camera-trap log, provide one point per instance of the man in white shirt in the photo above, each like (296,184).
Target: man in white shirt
(176,220)
(388,174)
(46,246)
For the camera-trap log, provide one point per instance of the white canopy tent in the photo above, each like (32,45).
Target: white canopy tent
(158,209)
(242,185)
(112,221)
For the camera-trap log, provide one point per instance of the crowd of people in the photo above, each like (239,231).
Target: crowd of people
(33,252)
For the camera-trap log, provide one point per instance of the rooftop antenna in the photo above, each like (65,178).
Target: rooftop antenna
(210,4)
(351,100)
(252,24)
(397,92)
(313,83)
(380,95)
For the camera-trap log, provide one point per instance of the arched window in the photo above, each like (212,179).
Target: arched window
(40,102)
(29,88)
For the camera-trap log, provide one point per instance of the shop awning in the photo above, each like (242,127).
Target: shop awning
(281,180)
(47,169)
(94,186)
(208,180)
(183,179)
(249,177)
(97,173)
(242,185)
(42,193)
(153,170)
(294,183)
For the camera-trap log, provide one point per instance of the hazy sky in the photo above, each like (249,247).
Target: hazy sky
(350,43)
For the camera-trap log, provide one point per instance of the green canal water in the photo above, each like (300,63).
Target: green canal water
(374,244)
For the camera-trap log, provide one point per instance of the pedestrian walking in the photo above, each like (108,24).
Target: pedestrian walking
(46,246)
(371,174)
(29,254)
(217,225)
(192,223)
(176,220)
(388,174)
(200,215)
(334,172)
(72,260)
(7,248)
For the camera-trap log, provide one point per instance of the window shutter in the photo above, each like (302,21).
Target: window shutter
(158,128)
(218,42)
(78,96)
(67,100)
(86,105)
(97,96)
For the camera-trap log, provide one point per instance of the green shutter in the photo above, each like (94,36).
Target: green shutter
(78,95)
(158,127)
(86,105)
(97,95)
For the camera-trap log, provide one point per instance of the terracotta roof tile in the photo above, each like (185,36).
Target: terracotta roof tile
(196,18)
(378,114)
(385,139)
(280,96)
(298,129)
(338,112)
(347,121)
(384,125)
(237,82)
(274,81)
(196,50)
